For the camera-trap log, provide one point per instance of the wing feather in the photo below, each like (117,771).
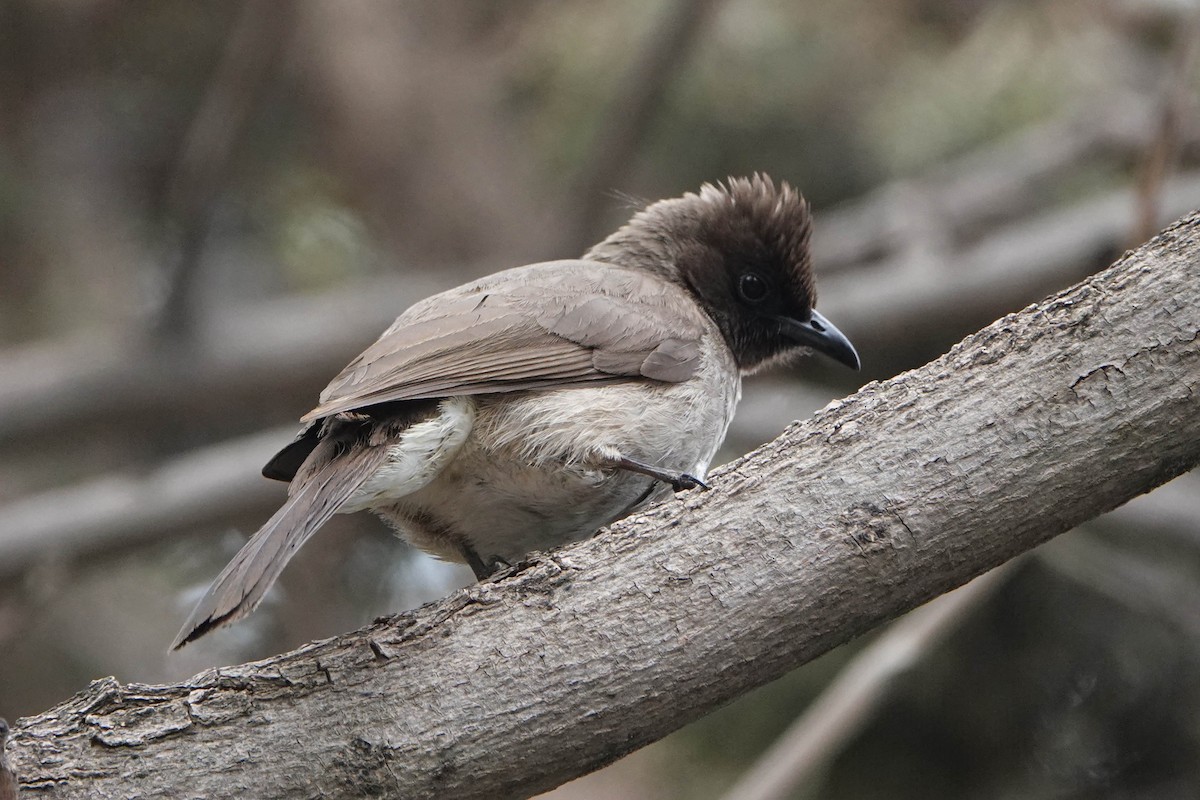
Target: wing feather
(536,327)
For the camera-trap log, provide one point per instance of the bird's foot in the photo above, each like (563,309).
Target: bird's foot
(483,569)
(684,482)
(679,481)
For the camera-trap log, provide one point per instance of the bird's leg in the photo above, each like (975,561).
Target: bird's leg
(482,569)
(680,481)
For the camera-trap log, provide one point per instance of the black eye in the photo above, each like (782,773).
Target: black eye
(753,288)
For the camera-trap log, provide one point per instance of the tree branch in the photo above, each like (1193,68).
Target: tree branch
(911,487)
(201,488)
(51,389)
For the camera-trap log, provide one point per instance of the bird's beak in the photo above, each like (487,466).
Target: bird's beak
(821,335)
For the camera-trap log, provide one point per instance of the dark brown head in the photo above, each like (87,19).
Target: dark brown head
(742,250)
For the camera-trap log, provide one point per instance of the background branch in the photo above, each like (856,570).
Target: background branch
(855,695)
(52,388)
(639,97)
(1173,115)
(259,35)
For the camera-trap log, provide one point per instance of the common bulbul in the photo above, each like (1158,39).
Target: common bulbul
(535,406)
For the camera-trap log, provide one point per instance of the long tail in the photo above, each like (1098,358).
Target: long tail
(314,498)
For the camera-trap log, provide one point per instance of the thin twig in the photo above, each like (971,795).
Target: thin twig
(1164,149)
(255,43)
(854,696)
(638,99)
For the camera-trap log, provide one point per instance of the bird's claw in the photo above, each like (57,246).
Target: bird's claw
(686,482)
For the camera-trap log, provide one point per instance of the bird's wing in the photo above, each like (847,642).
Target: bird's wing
(535,327)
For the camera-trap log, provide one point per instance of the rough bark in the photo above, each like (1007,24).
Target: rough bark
(1042,420)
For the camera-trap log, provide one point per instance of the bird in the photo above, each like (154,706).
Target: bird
(532,407)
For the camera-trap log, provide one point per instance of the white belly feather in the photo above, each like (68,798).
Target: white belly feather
(422,452)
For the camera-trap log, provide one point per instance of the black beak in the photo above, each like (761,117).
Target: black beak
(821,335)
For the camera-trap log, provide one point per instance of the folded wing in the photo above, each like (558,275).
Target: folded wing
(536,327)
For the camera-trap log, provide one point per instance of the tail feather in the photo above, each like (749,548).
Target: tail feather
(314,498)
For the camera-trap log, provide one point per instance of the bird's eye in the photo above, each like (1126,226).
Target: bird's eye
(753,288)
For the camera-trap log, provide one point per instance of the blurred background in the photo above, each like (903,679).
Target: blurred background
(206,209)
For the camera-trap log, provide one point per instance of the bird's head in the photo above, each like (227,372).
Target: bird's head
(742,249)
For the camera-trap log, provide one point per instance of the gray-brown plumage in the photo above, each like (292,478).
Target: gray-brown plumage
(536,405)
